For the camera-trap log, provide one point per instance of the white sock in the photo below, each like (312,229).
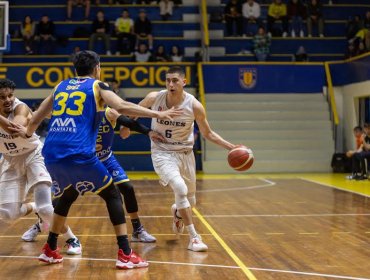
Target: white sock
(191,230)
(69,234)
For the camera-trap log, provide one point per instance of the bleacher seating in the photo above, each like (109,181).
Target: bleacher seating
(167,33)
(332,47)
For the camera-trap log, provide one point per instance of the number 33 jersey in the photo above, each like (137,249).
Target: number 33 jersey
(77,113)
(179,132)
(15,146)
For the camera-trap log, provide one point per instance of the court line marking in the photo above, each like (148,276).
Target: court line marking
(228,216)
(332,186)
(243,267)
(206,265)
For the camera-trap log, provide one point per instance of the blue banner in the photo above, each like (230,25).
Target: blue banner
(355,71)
(263,78)
(48,75)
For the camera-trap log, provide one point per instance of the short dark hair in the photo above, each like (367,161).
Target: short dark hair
(6,83)
(357,128)
(176,70)
(85,62)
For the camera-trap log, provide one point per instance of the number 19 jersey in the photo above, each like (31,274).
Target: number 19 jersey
(77,112)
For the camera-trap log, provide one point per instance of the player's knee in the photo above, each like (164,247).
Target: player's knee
(65,202)
(45,212)
(128,192)
(178,185)
(113,202)
(10,214)
(125,188)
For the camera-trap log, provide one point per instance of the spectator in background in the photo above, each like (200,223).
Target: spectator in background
(45,35)
(28,31)
(143,29)
(115,86)
(358,133)
(142,54)
(176,54)
(277,11)
(261,42)
(301,55)
(100,29)
(359,167)
(296,13)
(74,53)
(125,32)
(233,14)
(251,14)
(160,55)
(354,25)
(165,9)
(366,22)
(315,17)
(71,3)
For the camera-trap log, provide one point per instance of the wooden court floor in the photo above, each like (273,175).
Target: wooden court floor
(256,228)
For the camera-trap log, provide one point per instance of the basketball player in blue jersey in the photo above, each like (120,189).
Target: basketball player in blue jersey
(104,143)
(77,106)
(173,160)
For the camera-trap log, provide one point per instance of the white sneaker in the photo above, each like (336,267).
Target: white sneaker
(143,236)
(31,234)
(293,34)
(301,34)
(73,247)
(177,225)
(196,244)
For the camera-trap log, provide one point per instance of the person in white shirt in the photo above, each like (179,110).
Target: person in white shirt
(166,9)
(251,15)
(173,160)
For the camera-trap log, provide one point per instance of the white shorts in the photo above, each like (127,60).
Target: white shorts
(171,164)
(20,173)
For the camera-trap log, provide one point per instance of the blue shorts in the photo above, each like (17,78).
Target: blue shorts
(115,170)
(88,176)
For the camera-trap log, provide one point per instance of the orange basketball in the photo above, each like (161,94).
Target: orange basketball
(240,158)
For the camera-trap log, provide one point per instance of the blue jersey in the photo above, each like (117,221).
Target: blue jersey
(77,113)
(104,142)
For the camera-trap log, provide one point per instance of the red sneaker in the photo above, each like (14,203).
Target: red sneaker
(131,261)
(50,256)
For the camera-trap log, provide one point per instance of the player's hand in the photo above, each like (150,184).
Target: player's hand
(17,129)
(170,114)
(157,137)
(124,132)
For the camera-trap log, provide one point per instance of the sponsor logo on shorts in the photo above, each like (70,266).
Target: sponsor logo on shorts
(84,186)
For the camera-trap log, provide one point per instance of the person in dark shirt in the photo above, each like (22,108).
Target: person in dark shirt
(314,16)
(143,29)
(233,14)
(45,35)
(100,29)
(160,55)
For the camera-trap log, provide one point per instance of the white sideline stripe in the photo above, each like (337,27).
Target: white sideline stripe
(206,265)
(332,186)
(231,216)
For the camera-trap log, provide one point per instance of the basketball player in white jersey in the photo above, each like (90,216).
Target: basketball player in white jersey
(174,160)
(22,167)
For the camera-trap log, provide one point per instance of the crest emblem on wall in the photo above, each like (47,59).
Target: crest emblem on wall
(247,77)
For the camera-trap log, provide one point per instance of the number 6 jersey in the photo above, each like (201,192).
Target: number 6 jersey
(15,146)
(77,112)
(179,132)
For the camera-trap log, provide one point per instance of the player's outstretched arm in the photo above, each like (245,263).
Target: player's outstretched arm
(205,129)
(42,112)
(131,109)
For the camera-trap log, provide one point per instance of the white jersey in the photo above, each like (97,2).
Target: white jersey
(15,146)
(179,132)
